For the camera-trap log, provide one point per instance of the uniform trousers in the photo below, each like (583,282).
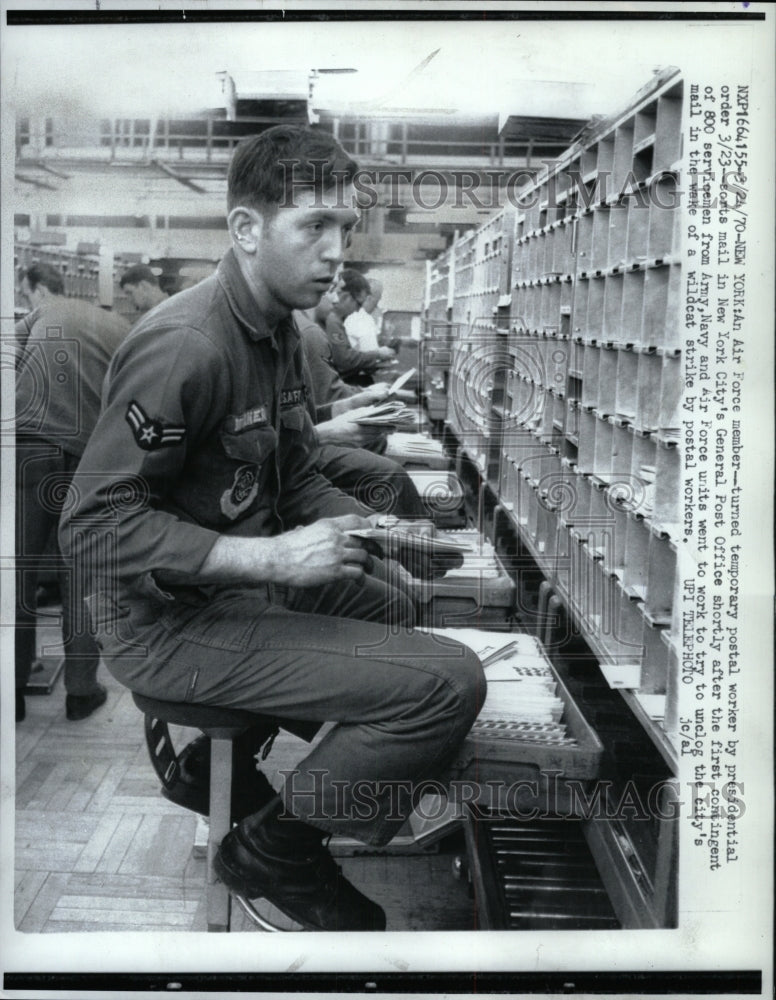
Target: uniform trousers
(43,474)
(377,482)
(401,701)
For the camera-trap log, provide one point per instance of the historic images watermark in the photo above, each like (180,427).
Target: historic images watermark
(491,189)
(548,795)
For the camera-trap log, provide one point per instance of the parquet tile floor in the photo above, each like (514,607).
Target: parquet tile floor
(98,848)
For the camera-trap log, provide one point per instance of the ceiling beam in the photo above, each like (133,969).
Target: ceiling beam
(178,177)
(34,181)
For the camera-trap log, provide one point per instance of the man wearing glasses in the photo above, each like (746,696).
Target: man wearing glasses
(352,364)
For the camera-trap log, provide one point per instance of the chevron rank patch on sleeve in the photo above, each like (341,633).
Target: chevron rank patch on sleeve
(150,435)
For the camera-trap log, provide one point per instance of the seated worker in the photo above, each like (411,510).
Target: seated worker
(361,325)
(60,373)
(218,558)
(349,454)
(352,291)
(332,396)
(142,286)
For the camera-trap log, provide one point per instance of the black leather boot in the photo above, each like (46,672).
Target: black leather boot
(81,706)
(285,862)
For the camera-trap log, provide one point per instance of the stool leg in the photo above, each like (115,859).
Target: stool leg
(217,895)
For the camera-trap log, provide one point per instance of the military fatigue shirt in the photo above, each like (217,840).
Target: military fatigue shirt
(67,349)
(203,432)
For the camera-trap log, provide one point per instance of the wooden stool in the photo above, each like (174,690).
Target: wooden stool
(222,726)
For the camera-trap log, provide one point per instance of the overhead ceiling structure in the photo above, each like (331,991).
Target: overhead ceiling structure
(278,94)
(156,185)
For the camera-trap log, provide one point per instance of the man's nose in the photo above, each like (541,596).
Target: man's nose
(333,245)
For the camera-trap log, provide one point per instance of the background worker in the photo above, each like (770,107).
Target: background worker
(362,326)
(331,394)
(353,365)
(142,286)
(350,453)
(59,377)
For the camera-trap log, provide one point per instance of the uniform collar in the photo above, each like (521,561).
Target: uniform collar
(243,304)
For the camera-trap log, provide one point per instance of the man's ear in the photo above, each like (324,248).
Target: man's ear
(245,228)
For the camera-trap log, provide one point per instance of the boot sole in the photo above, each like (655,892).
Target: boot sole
(238,886)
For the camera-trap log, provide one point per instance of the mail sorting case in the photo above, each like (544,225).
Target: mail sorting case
(435,347)
(564,388)
(564,384)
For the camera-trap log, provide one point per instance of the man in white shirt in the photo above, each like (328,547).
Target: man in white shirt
(361,326)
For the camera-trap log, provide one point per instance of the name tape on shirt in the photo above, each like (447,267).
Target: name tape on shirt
(255,417)
(150,434)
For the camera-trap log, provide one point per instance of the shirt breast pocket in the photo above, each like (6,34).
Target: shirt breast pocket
(293,418)
(254,446)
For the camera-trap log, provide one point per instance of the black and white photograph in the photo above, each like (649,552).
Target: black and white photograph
(387,481)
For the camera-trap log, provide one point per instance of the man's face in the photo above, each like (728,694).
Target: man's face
(299,249)
(32,296)
(346,303)
(140,295)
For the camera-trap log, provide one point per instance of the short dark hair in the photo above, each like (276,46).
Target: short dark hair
(355,283)
(46,275)
(137,273)
(267,168)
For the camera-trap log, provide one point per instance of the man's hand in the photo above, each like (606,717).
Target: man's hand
(319,553)
(352,522)
(385,353)
(374,394)
(344,430)
(412,547)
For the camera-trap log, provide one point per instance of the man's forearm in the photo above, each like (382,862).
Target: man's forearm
(241,560)
(304,557)
(336,408)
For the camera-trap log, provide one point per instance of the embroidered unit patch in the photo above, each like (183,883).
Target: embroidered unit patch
(242,492)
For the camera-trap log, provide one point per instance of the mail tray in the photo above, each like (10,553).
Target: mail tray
(442,495)
(478,593)
(416,451)
(485,757)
